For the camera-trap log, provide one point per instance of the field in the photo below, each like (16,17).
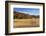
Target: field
(25,20)
(20,23)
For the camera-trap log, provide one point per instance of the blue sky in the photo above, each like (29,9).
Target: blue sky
(30,11)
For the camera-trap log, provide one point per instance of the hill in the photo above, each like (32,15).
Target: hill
(19,15)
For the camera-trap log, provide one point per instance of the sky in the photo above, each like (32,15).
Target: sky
(30,11)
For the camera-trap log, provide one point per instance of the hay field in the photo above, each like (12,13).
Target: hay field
(20,23)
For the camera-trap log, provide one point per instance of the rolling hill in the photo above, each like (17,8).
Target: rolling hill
(19,15)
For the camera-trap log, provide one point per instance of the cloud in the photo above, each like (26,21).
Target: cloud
(28,13)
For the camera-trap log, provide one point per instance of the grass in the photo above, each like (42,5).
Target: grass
(19,23)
